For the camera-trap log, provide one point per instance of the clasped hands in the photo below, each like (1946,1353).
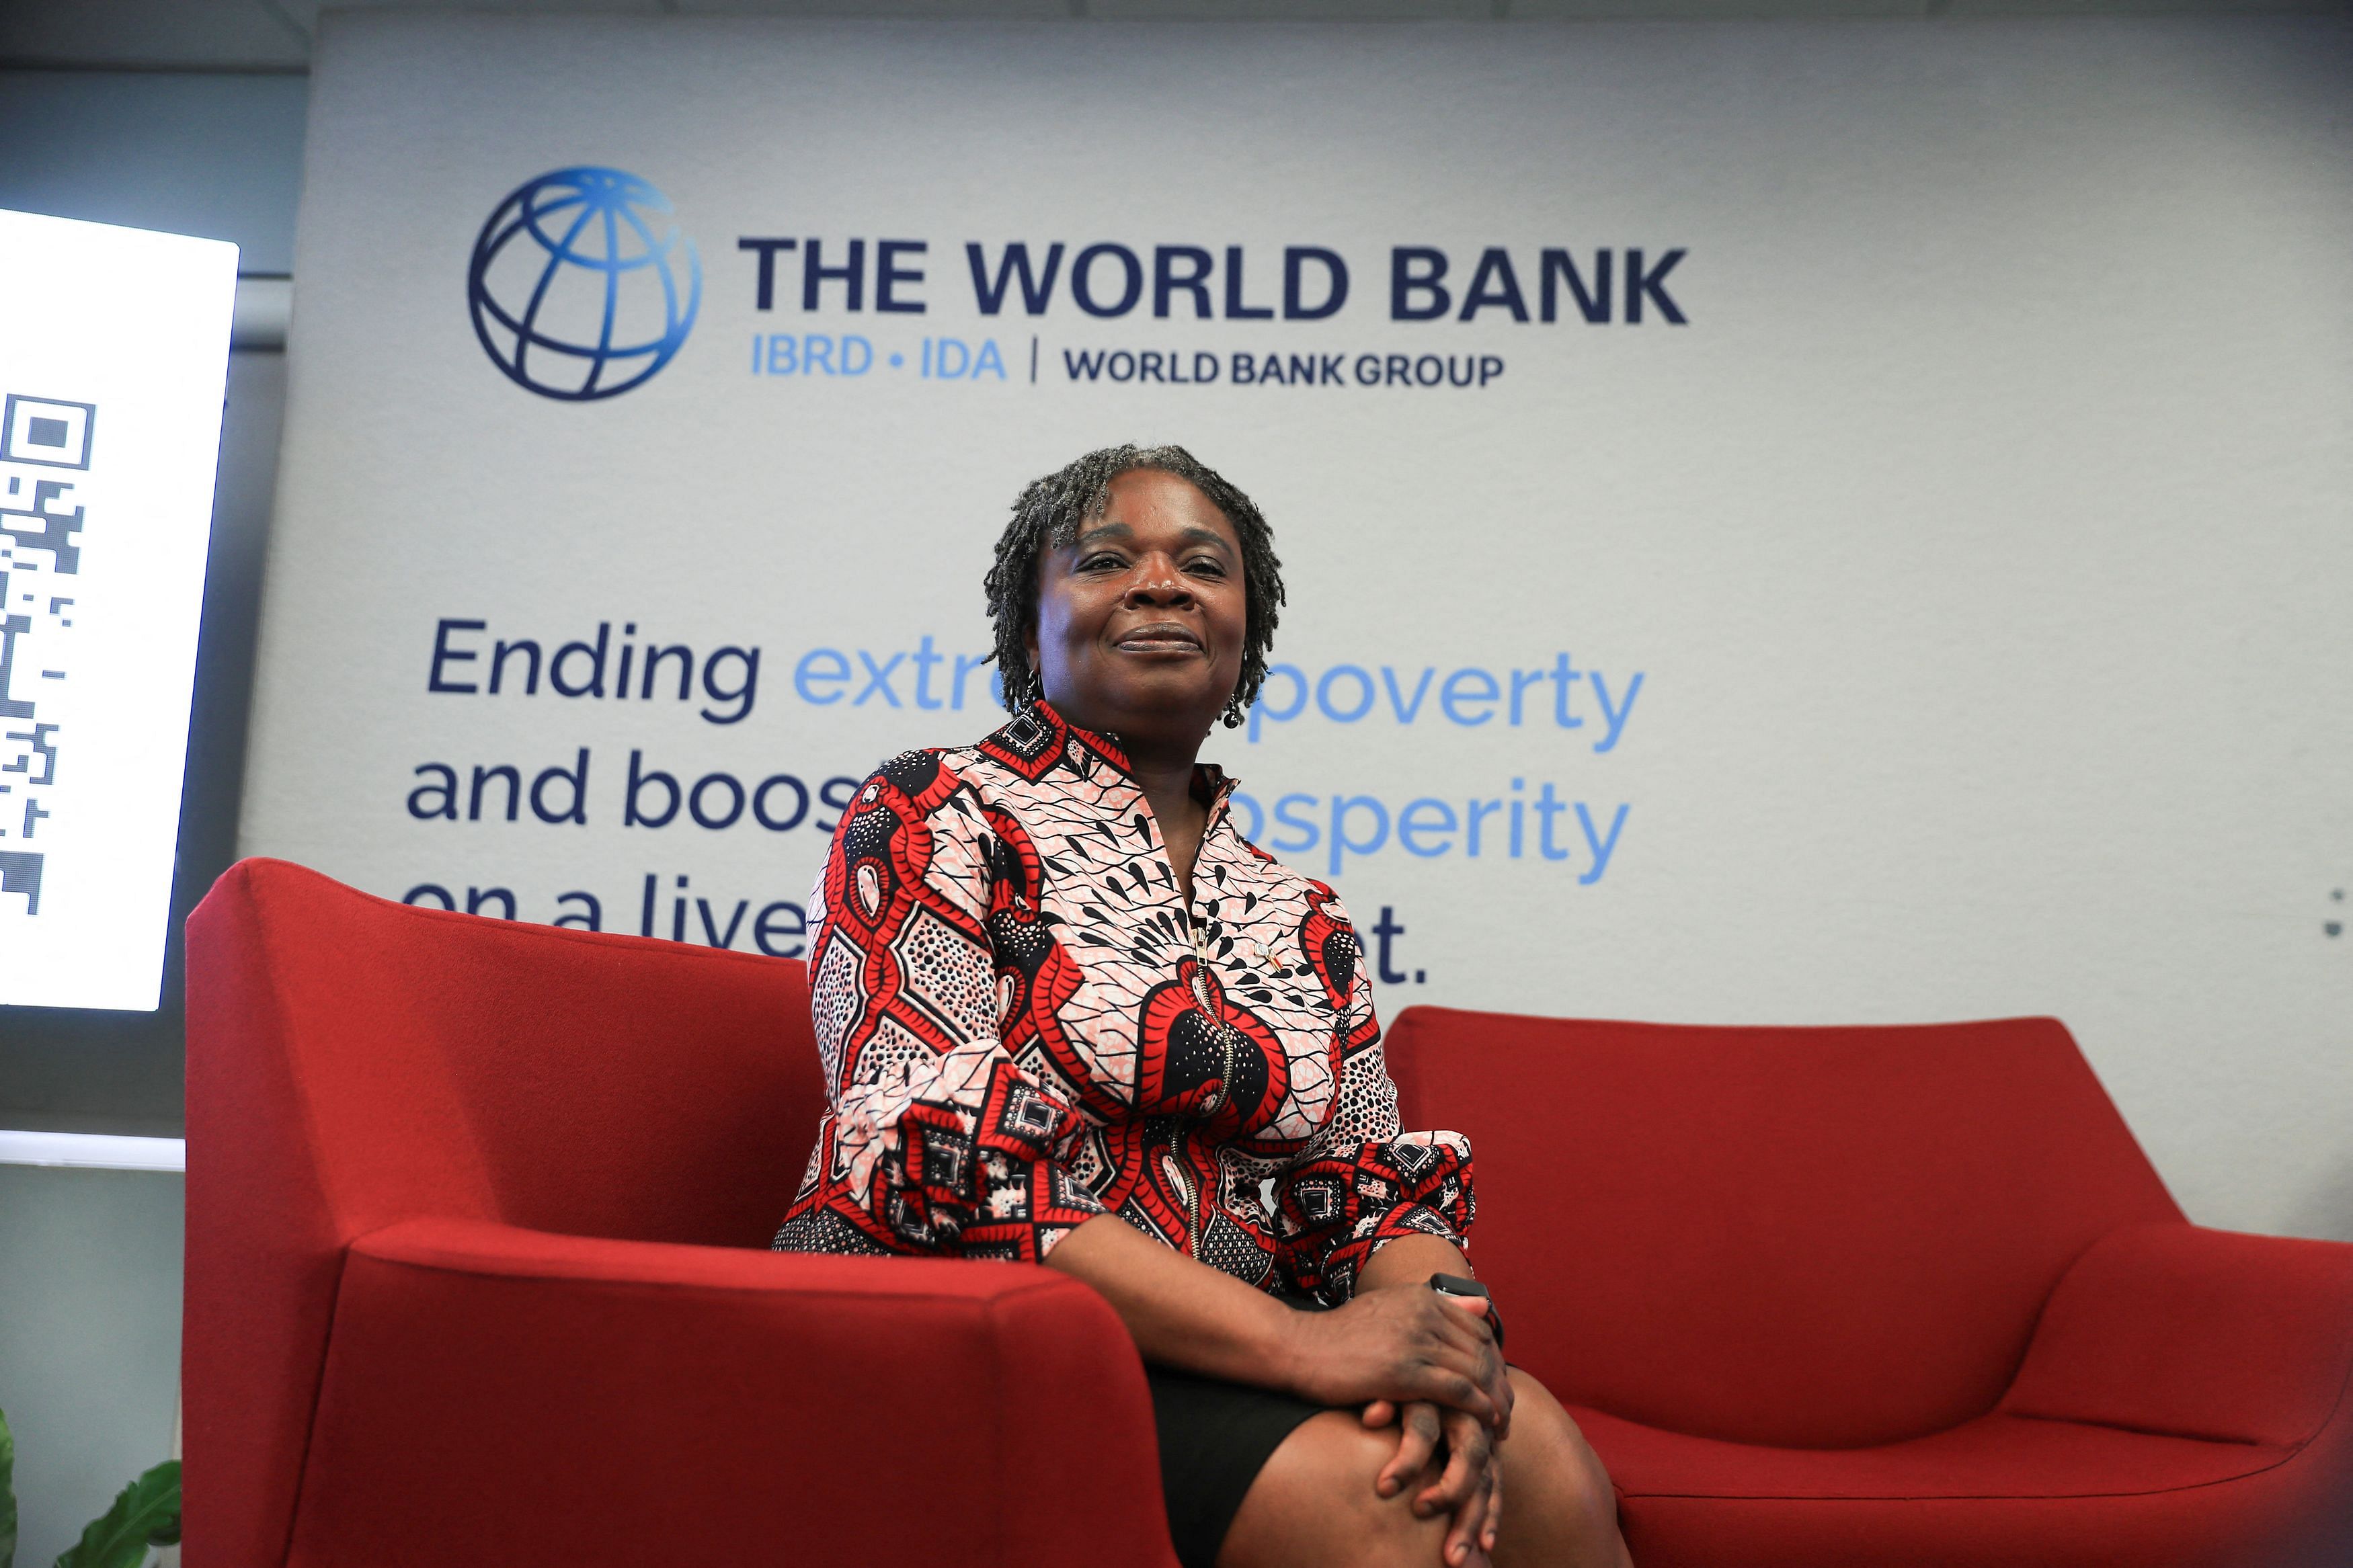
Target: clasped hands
(1428,1364)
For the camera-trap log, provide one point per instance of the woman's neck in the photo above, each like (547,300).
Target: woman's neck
(1162,766)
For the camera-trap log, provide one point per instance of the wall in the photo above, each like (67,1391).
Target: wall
(90,1339)
(1978,533)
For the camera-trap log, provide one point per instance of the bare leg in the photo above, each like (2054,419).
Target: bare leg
(1559,1510)
(1313,1506)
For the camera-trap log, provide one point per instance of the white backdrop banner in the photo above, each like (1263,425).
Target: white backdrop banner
(1784,523)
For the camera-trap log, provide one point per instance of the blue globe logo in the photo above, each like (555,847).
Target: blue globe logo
(581,286)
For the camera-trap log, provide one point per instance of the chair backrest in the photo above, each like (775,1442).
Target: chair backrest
(1813,1237)
(354,1062)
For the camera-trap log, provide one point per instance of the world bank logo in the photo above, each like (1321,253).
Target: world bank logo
(581,286)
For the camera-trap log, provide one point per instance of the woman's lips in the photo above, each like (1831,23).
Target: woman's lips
(1162,639)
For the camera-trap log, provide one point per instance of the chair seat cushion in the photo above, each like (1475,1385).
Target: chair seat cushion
(2001,1489)
(1993,1456)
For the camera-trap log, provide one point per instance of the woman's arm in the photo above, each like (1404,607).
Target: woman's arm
(1471,1486)
(1411,1260)
(1398,1346)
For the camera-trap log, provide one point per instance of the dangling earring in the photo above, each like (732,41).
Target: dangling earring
(1234,711)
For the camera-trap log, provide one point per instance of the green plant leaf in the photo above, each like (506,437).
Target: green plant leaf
(146,1513)
(8,1494)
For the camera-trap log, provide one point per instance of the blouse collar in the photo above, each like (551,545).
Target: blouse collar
(1039,735)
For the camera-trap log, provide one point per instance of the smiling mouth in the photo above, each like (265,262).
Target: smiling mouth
(1166,638)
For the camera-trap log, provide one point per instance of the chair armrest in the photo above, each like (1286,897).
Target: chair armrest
(2196,1334)
(495,1396)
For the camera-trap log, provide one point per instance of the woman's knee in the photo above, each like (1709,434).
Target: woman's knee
(1554,1485)
(1315,1504)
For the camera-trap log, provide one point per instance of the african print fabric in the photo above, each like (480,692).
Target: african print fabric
(1023,1026)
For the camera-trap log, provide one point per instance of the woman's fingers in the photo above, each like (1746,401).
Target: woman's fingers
(1499,1390)
(1468,1331)
(1399,1344)
(1466,1489)
(1417,1437)
(1455,1390)
(1468,1446)
(1492,1374)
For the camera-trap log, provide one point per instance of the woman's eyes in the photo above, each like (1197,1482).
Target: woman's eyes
(1208,565)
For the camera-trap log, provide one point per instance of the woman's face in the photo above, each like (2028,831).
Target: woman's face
(1141,619)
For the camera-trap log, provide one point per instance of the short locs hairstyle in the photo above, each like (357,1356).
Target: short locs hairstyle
(1047,516)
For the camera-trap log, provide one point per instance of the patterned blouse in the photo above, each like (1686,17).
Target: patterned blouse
(1023,1026)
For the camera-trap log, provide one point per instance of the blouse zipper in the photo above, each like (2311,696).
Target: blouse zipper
(1177,1173)
(1227,1040)
(1227,1037)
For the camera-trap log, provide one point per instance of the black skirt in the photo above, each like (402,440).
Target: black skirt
(1215,1438)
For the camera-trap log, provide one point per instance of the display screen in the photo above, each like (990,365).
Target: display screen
(113,352)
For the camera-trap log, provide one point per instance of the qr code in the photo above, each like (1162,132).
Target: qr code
(45,455)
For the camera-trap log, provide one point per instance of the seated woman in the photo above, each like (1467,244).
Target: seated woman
(1070,1015)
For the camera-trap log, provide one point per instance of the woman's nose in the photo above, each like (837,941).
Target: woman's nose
(1157,582)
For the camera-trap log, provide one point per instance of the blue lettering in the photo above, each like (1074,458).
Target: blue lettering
(1494,283)
(1309,831)
(1640,285)
(1261,710)
(1468,686)
(1477,811)
(1602,848)
(1416,269)
(820,665)
(1342,806)
(878,678)
(1235,309)
(1193,280)
(1548,806)
(1082,279)
(442,654)
(1615,718)
(1559,268)
(1403,709)
(1037,288)
(1561,676)
(965,665)
(851,274)
(1364,687)
(1295,260)
(1425,816)
(889,274)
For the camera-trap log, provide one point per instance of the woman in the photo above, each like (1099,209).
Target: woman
(1070,1015)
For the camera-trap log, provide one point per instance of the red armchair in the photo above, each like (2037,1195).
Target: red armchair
(476,1275)
(1875,1296)
(477,1211)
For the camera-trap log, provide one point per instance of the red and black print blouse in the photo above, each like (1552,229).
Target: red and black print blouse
(1023,1026)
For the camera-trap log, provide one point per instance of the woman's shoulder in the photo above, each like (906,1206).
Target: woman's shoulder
(927,781)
